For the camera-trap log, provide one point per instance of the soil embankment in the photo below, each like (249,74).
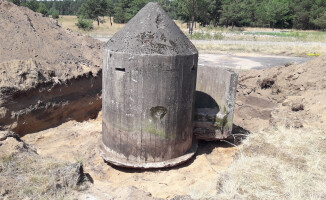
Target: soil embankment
(48,75)
(292,96)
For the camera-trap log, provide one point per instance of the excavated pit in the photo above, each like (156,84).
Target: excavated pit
(48,75)
(49,104)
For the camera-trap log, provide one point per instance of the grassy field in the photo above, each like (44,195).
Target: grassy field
(270,49)
(210,32)
(276,38)
(265,34)
(104,29)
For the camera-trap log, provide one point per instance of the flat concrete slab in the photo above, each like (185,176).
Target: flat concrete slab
(246,62)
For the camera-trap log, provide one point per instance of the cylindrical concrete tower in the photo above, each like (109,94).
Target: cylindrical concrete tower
(149,79)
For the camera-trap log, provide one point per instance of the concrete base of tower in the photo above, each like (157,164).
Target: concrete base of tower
(121,161)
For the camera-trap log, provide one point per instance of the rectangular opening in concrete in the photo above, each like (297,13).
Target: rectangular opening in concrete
(120,69)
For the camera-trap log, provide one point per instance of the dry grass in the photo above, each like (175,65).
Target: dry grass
(246,33)
(258,34)
(278,164)
(26,175)
(271,49)
(104,29)
(219,33)
(29,177)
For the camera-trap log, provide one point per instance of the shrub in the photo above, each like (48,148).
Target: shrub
(42,9)
(85,24)
(17,2)
(33,5)
(55,15)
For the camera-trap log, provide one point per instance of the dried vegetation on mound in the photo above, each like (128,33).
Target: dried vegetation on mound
(287,160)
(277,164)
(26,175)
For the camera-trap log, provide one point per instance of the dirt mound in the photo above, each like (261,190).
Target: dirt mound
(291,96)
(55,53)
(43,70)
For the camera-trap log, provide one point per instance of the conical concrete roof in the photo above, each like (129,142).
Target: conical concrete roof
(151,31)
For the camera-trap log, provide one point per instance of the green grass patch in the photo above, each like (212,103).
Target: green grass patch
(278,34)
(313,54)
(306,36)
(150,128)
(206,36)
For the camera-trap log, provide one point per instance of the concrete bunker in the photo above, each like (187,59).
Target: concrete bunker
(214,103)
(149,80)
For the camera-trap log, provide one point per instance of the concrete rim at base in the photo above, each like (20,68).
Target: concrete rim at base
(123,162)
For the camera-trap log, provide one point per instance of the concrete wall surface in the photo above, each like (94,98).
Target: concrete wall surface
(214,102)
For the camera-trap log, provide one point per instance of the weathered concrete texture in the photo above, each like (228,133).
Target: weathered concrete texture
(214,102)
(149,79)
(111,157)
(151,31)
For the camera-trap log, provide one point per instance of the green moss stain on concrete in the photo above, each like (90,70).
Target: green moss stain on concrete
(153,129)
(220,123)
(150,128)
(224,109)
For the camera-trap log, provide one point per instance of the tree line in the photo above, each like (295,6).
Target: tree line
(298,14)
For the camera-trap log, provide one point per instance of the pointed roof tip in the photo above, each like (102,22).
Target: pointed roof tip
(151,31)
(152,4)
